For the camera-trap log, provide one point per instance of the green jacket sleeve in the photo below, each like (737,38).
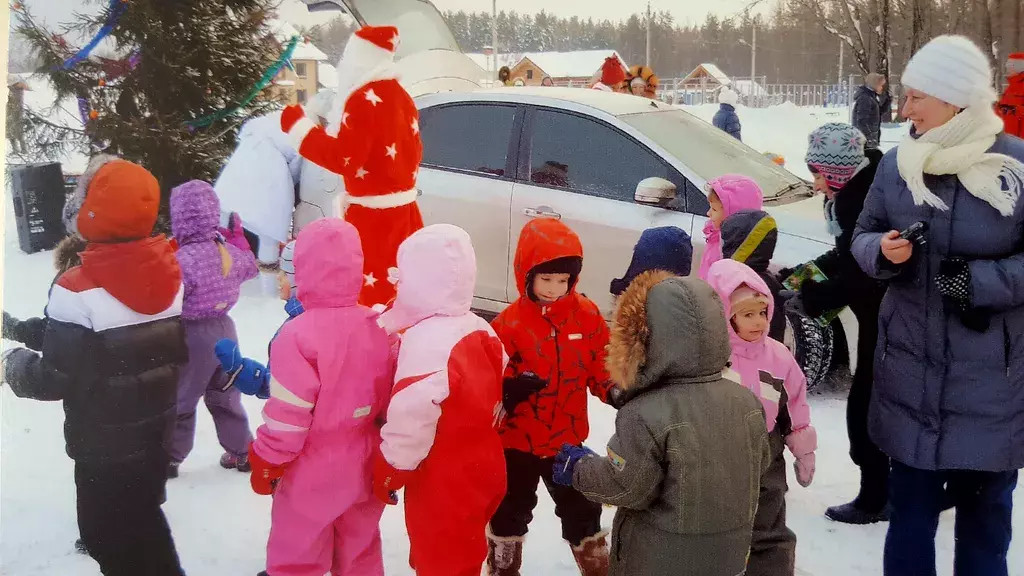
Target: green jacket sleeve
(629,476)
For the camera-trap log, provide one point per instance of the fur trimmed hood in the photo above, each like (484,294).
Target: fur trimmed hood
(667,327)
(67,254)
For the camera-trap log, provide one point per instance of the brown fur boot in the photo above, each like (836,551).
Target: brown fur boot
(504,555)
(592,555)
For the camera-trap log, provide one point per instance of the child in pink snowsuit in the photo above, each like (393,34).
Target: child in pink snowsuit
(328,393)
(727,195)
(768,369)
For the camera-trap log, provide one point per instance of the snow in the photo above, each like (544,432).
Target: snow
(220,526)
(784,129)
(304,49)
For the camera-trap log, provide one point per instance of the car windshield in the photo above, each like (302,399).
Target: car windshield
(708,151)
(419,23)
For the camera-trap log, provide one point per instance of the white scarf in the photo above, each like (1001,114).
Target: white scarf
(960,147)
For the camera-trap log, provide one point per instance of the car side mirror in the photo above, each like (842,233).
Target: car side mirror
(655,192)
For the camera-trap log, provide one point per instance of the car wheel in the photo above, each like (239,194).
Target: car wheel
(811,345)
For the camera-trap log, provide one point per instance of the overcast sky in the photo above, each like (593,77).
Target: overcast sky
(54,11)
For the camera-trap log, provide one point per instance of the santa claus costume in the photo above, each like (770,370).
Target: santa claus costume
(373,143)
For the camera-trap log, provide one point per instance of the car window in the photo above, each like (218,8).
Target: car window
(584,155)
(473,137)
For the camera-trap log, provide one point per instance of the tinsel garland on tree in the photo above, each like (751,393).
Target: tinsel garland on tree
(177,61)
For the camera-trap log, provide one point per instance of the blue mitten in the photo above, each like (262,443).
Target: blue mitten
(565,462)
(249,376)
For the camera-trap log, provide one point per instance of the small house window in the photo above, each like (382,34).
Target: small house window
(529,74)
(300,95)
(300,70)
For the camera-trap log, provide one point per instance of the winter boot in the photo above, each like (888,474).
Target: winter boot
(229,461)
(172,470)
(80,547)
(871,504)
(504,555)
(592,555)
(850,513)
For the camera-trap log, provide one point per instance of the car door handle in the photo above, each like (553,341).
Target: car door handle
(542,212)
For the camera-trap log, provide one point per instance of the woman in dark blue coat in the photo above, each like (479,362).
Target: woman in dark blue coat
(948,399)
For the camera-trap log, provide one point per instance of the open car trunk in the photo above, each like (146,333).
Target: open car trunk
(428,58)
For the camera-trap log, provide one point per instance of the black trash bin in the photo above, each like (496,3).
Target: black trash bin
(38,192)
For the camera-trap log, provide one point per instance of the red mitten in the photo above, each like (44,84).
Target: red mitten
(290,116)
(265,475)
(387,480)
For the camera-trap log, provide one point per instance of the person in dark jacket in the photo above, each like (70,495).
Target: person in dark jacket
(726,118)
(665,248)
(690,446)
(948,398)
(885,106)
(111,351)
(750,236)
(843,173)
(867,112)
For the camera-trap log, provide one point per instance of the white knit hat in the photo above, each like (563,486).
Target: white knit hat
(952,69)
(728,96)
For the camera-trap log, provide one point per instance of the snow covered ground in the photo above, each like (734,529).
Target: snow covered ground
(221,527)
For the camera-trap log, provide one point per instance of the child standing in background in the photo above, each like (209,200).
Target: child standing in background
(749,237)
(330,385)
(768,369)
(556,340)
(440,441)
(667,248)
(213,271)
(249,376)
(727,195)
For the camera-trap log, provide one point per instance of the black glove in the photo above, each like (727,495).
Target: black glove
(954,283)
(515,390)
(784,274)
(9,327)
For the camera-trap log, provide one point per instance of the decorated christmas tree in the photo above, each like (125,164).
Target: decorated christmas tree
(164,83)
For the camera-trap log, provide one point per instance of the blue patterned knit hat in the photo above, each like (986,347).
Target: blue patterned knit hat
(836,151)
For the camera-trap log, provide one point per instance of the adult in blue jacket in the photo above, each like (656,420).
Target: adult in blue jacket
(726,118)
(948,400)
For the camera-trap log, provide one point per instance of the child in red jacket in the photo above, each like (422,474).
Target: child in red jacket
(1011,105)
(556,340)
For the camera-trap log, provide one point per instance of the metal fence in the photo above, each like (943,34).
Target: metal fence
(677,91)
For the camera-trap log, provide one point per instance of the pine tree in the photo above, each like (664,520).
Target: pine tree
(176,62)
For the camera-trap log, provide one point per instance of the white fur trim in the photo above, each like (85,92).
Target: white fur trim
(299,131)
(594,538)
(509,539)
(387,201)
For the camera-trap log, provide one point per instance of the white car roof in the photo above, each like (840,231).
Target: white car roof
(610,103)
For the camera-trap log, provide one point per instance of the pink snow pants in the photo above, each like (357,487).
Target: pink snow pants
(325,517)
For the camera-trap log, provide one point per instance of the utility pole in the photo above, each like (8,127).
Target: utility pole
(648,33)
(753,61)
(494,37)
(839,76)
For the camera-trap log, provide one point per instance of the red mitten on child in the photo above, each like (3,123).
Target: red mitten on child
(265,475)
(387,480)
(802,443)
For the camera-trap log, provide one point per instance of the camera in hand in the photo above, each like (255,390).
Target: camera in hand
(916,233)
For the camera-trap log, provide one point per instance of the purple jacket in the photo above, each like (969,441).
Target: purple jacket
(212,270)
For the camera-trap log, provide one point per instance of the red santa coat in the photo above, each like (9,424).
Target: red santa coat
(377,153)
(1011,106)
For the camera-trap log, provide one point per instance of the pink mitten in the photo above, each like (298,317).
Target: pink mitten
(804,468)
(234,234)
(802,443)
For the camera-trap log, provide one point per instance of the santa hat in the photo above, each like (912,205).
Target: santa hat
(115,201)
(952,69)
(612,72)
(1015,64)
(368,48)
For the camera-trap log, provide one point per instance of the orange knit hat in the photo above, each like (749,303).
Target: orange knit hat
(116,201)
(612,72)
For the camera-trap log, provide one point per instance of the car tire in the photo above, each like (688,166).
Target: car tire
(811,345)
